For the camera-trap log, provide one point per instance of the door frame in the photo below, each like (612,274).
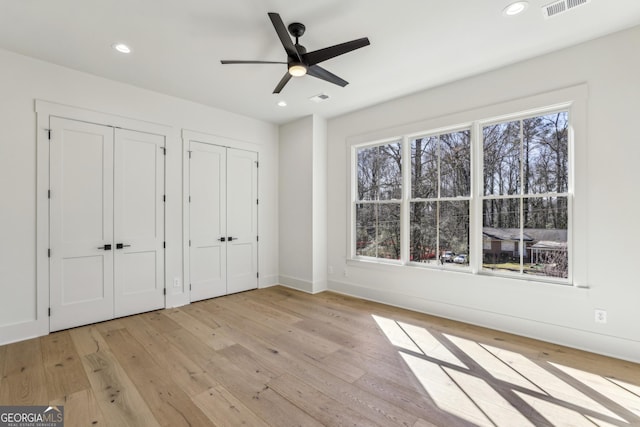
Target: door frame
(44,111)
(187,137)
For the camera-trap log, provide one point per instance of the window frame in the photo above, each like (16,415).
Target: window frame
(481,197)
(572,99)
(408,199)
(353,201)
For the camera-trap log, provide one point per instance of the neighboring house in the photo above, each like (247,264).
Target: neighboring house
(503,244)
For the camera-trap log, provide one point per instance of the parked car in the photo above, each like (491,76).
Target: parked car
(461,259)
(447,256)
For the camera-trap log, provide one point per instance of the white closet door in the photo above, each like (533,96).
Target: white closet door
(138,222)
(81,223)
(242,220)
(207,219)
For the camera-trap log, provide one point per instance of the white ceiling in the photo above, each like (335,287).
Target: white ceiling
(178,44)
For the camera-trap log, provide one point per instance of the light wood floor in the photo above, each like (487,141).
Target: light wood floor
(284,358)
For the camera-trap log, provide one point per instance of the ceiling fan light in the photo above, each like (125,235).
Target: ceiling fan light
(297,70)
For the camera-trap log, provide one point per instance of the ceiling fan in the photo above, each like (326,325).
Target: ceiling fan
(299,61)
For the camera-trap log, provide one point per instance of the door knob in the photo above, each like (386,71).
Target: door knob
(105,247)
(222,239)
(121,245)
(231,238)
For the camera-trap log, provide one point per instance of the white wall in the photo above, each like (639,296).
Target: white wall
(295,189)
(302,192)
(319,204)
(22,80)
(610,153)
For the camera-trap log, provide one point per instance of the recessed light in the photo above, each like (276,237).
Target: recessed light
(515,8)
(121,47)
(282,104)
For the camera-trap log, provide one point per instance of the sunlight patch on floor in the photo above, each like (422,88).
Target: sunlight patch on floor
(491,386)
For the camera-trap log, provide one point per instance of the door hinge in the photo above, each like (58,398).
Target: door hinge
(164,198)
(48,194)
(189,286)
(257,164)
(189,153)
(189,243)
(48,134)
(257,275)
(257,238)
(164,291)
(189,199)
(257,201)
(164,245)
(164,150)
(49,253)
(49,311)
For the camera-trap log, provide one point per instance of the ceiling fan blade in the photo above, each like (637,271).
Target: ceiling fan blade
(283,34)
(285,79)
(321,73)
(317,56)
(233,61)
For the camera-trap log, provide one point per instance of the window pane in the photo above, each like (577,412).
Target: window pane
(545,154)
(378,230)
(423,240)
(501,151)
(424,168)
(366,229)
(454,232)
(380,172)
(545,231)
(389,231)
(455,164)
(501,235)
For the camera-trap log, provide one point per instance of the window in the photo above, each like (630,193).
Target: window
(525,195)
(491,196)
(440,194)
(378,201)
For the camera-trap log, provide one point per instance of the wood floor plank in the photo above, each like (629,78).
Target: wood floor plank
(160,320)
(118,398)
(170,404)
(224,409)
(23,378)
(81,409)
(323,408)
(63,368)
(282,357)
(214,338)
(183,371)
(87,339)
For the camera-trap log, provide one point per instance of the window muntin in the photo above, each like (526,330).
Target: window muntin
(521,202)
(440,172)
(525,207)
(378,201)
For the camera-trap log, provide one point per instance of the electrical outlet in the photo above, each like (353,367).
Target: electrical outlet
(176,282)
(601,316)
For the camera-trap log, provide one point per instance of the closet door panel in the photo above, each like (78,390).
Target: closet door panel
(139,222)
(81,223)
(207,219)
(242,223)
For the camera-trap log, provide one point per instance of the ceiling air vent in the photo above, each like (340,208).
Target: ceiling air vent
(319,98)
(561,6)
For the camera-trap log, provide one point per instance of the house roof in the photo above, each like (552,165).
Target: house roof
(530,234)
